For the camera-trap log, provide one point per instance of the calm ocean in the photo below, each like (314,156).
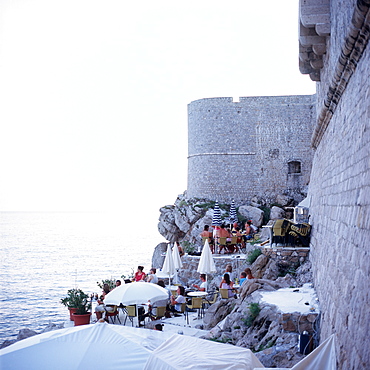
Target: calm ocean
(45,254)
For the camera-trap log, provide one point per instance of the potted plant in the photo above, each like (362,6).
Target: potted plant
(70,301)
(83,305)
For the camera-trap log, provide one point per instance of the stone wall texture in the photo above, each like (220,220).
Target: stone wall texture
(258,146)
(339,189)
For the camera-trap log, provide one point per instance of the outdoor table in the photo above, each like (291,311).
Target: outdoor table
(197,294)
(172,287)
(162,275)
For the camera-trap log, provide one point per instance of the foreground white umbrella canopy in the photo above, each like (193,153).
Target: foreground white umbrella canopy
(136,293)
(183,352)
(206,262)
(95,346)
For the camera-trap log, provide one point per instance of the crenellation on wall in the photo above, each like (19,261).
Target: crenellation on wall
(238,150)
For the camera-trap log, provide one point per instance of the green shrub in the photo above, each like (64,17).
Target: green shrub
(253,255)
(111,283)
(266,214)
(188,247)
(254,310)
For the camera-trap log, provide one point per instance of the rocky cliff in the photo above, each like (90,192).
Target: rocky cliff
(185,219)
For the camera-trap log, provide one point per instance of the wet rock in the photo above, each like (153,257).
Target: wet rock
(7,343)
(52,326)
(25,333)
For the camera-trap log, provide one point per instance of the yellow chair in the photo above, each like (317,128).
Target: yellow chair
(159,312)
(221,244)
(213,300)
(233,244)
(224,293)
(131,313)
(196,304)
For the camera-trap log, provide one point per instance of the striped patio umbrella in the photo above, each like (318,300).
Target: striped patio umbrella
(233,217)
(216,219)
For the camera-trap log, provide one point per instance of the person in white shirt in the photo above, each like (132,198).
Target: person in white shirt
(179,300)
(203,286)
(152,277)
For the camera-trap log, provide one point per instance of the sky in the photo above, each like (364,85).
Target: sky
(94,94)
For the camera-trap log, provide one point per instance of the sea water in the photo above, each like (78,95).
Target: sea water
(45,254)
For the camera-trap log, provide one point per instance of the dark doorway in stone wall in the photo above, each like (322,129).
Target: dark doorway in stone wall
(294,167)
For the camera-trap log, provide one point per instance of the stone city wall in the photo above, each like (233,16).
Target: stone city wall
(257,146)
(340,185)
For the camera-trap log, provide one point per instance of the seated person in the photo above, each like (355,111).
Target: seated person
(118,283)
(207,234)
(181,251)
(250,230)
(178,301)
(226,283)
(152,277)
(243,278)
(203,286)
(249,273)
(223,233)
(139,274)
(229,270)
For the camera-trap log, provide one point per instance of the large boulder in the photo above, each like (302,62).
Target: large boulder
(276,213)
(167,224)
(252,213)
(217,312)
(284,200)
(158,257)
(198,227)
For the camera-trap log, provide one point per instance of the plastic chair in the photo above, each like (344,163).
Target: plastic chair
(233,244)
(224,293)
(112,314)
(213,300)
(159,312)
(131,313)
(196,304)
(183,310)
(222,243)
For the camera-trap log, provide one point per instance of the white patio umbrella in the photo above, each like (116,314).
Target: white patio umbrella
(200,354)
(136,293)
(168,264)
(83,347)
(206,262)
(176,260)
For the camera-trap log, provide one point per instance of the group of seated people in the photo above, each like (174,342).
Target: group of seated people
(227,281)
(173,302)
(224,232)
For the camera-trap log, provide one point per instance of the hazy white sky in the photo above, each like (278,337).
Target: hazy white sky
(94,94)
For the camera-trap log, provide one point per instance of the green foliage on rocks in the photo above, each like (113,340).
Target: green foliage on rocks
(254,310)
(188,246)
(266,214)
(253,255)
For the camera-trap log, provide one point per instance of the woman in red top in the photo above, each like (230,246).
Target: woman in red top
(140,274)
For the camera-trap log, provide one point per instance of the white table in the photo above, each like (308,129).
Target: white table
(197,294)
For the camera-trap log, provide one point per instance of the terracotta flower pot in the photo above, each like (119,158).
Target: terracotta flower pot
(81,319)
(72,310)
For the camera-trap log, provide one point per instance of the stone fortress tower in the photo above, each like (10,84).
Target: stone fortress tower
(259,146)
